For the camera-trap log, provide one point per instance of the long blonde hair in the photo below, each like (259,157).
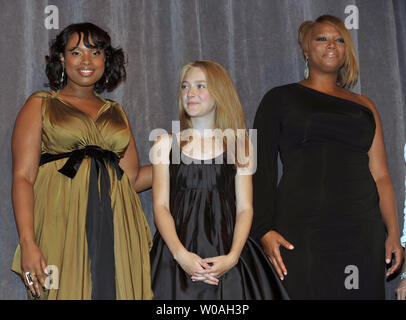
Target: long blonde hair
(229,113)
(348,73)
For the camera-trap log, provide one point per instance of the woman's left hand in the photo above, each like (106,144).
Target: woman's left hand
(393,246)
(218,266)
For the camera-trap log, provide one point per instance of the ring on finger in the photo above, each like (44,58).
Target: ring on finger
(29,278)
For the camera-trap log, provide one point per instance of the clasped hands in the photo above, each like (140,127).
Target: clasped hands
(207,270)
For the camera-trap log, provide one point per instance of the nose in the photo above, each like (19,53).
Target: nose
(86,59)
(191,92)
(331,44)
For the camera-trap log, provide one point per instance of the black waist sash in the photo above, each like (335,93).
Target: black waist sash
(99,214)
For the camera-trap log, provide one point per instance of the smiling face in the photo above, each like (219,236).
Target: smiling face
(326,52)
(84,66)
(196,98)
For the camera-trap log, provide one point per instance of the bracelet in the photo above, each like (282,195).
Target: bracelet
(403,275)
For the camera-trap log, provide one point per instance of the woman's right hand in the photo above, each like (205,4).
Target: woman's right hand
(271,242)
(33,261)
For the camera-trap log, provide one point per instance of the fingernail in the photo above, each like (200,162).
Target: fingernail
(290,247)
(285,273)
(387,260)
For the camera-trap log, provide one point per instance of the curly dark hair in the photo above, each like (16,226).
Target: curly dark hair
(114,70)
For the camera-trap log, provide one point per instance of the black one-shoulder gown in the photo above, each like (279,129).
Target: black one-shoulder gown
(326,203)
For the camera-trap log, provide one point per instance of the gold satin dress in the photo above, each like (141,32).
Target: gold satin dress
(60,204)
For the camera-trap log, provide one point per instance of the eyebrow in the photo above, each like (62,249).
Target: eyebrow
(197,81)
(326,34)
(79,48)
(74,48)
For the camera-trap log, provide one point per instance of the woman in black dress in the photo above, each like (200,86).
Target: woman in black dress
(203,199)
(335,196)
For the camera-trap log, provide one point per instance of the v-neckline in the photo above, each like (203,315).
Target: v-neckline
(67,103)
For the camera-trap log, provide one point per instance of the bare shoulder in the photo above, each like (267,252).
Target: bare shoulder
(367,102)
(28,124)
(164,140)
(33,101)
(360,99)
(160,151)
(31,109)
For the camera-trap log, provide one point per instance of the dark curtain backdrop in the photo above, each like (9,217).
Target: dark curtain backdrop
(255,40)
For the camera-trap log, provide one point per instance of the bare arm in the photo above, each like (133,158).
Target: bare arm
(243,191)
(26,150)
(244,207)
(190,262)
(244,214)
(379,170)
(160,196)
(144,179)
(140,177)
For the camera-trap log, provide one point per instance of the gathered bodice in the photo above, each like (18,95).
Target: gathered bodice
(67,128)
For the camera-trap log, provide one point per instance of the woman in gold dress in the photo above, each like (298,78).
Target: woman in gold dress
(75,178)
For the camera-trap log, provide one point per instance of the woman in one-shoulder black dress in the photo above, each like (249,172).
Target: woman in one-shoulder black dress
(327,203)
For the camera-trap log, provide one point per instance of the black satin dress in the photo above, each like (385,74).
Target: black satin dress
(202,203)
(326,203)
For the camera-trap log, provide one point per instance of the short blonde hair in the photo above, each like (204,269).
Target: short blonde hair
(348,73)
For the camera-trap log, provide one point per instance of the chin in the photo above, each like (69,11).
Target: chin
(193,114)
(331,67)
(88,83)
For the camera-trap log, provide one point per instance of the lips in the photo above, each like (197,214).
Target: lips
(192,103)
(331,55)
(86,72)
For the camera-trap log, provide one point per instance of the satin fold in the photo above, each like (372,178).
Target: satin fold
(203,207)
(99,215)
(88,220)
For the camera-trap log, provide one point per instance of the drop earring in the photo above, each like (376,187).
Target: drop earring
(62,76)
(306,69)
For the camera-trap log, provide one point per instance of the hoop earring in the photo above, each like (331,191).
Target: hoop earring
(306,69)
